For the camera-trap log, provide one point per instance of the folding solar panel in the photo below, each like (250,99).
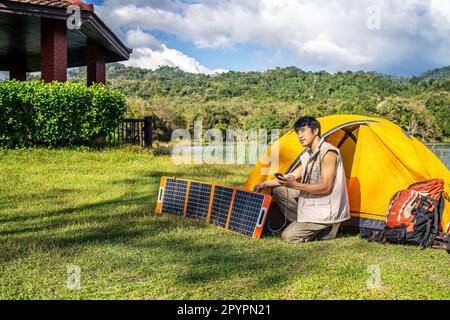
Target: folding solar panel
(230,208)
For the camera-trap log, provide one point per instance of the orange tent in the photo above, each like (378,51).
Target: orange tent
(379,159)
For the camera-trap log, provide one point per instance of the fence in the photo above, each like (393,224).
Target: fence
(442,150)
(134,131)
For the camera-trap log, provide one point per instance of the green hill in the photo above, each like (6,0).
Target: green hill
(277,97)
(435,74)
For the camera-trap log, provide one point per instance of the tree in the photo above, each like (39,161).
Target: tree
(410,114)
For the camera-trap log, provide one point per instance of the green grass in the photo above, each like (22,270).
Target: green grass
(95,210)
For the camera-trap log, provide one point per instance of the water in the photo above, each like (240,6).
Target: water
(227,153)
(442,150)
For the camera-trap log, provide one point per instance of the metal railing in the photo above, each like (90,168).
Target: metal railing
(134,131)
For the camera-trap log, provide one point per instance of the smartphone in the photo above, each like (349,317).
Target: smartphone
(280,176)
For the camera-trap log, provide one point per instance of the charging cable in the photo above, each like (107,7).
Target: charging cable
(284,209)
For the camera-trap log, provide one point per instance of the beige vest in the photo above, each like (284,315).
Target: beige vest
(328,209)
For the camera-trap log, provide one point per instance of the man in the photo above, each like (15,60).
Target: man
(314,196)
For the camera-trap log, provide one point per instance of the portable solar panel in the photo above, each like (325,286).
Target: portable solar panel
(230,208)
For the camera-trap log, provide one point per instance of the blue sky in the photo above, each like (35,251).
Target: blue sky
(399,37)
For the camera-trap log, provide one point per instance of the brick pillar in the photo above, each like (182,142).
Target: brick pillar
(18,69)
(95,61)
(53,50)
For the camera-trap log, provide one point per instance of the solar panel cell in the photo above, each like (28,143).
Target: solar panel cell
(198,200)
(221,205)
(245,212)
(174,196)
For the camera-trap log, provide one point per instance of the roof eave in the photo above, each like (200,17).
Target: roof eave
(92,19)
(90,23)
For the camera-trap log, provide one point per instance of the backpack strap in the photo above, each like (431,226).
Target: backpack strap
(429,238)
(439,240)
(433,227)
(442,241)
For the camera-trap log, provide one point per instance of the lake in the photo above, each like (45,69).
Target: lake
(442,150)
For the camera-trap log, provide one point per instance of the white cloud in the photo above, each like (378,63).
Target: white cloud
(440,11)
(328,52)
(321,32)
(138,39)
(151,54)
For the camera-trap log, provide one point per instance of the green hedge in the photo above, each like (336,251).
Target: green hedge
(57,114)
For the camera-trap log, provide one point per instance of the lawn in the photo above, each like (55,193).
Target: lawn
(95,211)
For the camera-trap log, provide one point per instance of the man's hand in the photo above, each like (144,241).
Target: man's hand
(281,182)
(259,187)
(275,183)
(291,182)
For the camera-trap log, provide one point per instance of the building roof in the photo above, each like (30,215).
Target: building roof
(20,32)
(58,3)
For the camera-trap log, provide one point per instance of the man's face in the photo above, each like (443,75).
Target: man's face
(306,136)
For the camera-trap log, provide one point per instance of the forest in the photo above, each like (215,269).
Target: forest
(277,97)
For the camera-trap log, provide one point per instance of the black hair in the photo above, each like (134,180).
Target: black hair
(309,122)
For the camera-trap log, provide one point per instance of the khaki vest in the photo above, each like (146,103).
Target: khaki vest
(328,209)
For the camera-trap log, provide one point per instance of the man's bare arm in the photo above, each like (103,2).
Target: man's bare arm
(325,186)
(296,174)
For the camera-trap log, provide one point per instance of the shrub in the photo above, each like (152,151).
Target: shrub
(268,117)
(219,118)
(57,114)
(439,105)
(267,121)
(167,115)
(410,114)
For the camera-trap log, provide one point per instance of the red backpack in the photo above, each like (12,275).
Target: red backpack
(414,214)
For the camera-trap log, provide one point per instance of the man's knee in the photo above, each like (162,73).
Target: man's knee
(279,192)
(286,236)
(291,235)
(298,232)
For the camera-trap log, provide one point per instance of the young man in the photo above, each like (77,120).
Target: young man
(314,196)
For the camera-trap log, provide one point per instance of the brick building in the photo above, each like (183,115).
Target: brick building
(46,36)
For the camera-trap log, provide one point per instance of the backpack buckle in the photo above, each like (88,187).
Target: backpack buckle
(446,196)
